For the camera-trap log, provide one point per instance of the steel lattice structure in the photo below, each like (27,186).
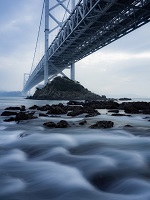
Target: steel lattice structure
(92,25)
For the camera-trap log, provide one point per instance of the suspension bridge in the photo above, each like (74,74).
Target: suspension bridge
(90,26)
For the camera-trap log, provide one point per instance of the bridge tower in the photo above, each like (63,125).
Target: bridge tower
(72,71)
(49,15)
(46,41)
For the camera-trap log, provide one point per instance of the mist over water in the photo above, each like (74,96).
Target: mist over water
(77,163)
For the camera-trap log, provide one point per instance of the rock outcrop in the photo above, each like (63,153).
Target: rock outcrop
(62,88)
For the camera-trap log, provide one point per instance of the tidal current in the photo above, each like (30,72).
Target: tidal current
(76,163)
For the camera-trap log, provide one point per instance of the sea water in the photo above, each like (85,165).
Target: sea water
(76,163)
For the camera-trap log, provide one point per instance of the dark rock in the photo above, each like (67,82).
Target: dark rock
(78,110)
(136,107)
(125,99)
(131,109)
(56,110)
(50,124)
(113,111)
(95,113)
(34,107)
(110,104)
(43,115)
(82,122)
(11,119)
(24,116)
(62,124)
(127,125)
(146,112)
(44,108)
(13,108)
(22,108)
(62,88)
(74,103)
(8,113)
(54,116)
(120,115)
(102,124)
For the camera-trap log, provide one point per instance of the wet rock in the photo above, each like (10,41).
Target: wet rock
(11,119)
(127,125)
(43,115)
(75,103)
(50,124)
(95,113)
(56,110)
(24,116)
(62,124)
(125,99)
(13,108)
(131,109)
(146,112)
(91,111)
(136,107)
(34,107)
(82,122)
(8,113)
(120,115)
(22,108)
(44,108)
(114,111)
(102,124)
(110,104)
(78,110)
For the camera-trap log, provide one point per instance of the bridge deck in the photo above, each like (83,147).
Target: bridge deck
(90,27)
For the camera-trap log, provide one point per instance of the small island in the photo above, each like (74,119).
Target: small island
(63,88)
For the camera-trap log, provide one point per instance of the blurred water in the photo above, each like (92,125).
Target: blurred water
(77,163)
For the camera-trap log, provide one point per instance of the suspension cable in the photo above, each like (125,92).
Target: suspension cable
(37,37)
(65,12)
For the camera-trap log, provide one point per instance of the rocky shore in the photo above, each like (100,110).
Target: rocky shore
(87,109)
(62,88)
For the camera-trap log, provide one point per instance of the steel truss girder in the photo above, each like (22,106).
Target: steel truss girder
(91,26)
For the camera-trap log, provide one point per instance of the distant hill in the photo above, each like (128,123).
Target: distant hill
(10,94)
(62,88)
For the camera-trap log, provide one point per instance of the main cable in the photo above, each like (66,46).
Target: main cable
(37,37)
(65,12)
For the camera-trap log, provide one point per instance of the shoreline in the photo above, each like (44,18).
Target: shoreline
(89,114)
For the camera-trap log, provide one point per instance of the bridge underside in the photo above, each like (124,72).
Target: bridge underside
(89,28)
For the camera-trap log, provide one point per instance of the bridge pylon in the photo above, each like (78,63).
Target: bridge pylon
(72,67)
(46,41)
(49,8)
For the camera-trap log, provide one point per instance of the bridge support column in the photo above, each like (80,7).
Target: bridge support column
(72,72)
(46,41)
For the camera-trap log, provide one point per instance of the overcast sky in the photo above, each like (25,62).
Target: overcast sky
(122,68)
